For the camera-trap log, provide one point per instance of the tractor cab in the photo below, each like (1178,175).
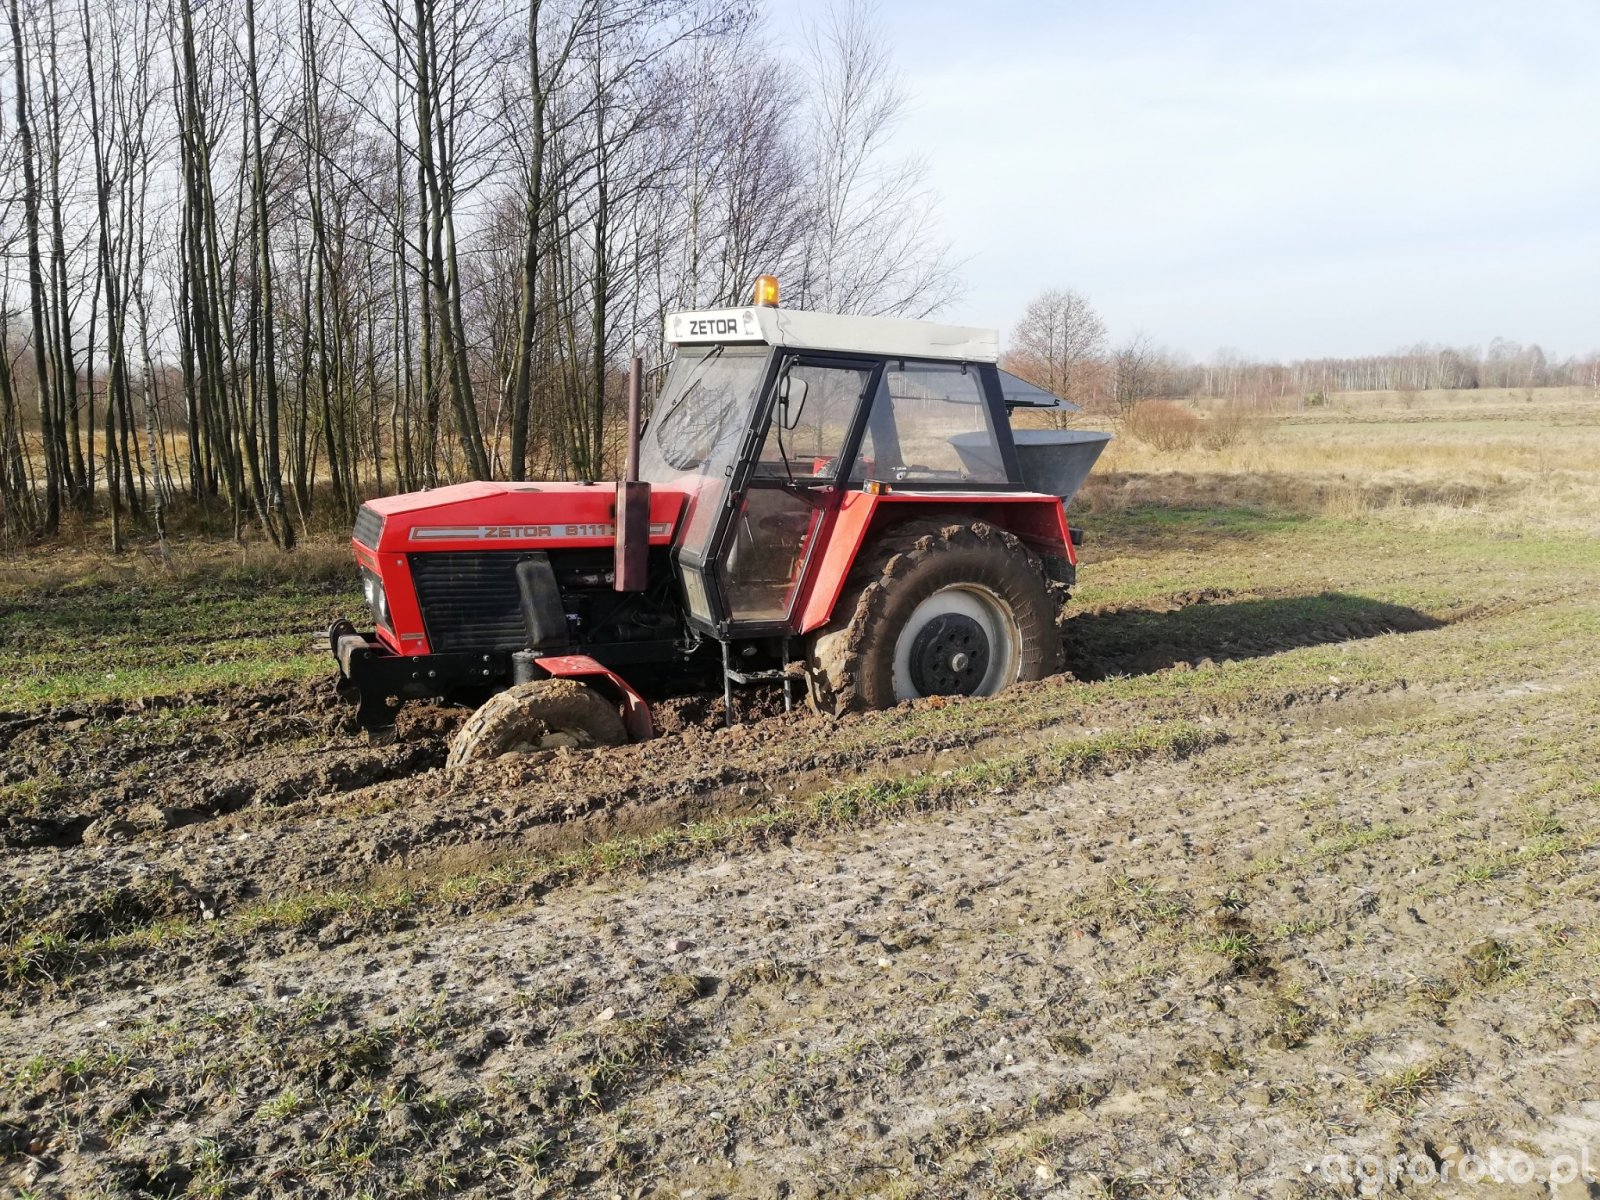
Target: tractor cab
(793,464)
(767,430)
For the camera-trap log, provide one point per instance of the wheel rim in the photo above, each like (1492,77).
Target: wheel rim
(960,641)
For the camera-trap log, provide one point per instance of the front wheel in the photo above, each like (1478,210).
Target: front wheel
(546,714)
(936,610)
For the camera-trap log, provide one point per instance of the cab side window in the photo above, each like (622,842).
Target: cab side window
(809,427)
(929,422)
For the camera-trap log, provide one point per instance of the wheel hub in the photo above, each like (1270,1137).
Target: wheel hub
(950,656)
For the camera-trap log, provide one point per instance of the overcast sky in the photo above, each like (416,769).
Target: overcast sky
(1285,177)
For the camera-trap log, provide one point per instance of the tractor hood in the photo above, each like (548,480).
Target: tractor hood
(506,516)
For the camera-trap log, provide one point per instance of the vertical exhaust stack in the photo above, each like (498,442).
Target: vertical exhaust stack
(635,417)
(633,497)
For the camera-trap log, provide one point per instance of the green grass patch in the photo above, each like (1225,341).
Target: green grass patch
(72,642)
(43,956)
(1346,840)
(1401,1092)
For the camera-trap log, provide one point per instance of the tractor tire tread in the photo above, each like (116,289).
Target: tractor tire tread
(846,659)
(520,718)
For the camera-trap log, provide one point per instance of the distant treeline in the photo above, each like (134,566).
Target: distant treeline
(261,256)
(1061,345)
(1421,367)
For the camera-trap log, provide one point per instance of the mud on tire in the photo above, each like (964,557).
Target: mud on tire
(852,661)
(541,715)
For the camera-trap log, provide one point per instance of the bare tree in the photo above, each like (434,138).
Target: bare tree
(1137,373)
(36,286)
(873,246)
(263,315)
(546,71)
(1058,342)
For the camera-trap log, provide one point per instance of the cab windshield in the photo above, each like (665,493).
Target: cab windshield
(694,433)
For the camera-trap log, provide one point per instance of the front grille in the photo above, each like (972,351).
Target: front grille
(470,599)
(369,525)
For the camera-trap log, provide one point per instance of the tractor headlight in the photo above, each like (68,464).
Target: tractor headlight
(372,587)
(694,591)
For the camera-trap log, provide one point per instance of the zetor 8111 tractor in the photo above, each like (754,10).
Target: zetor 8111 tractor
(829,502)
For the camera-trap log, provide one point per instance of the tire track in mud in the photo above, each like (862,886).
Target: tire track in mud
(108,773)
(330,879)
(300,806)
(325,920)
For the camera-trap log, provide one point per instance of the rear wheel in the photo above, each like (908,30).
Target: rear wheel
(546,714)
(937,610)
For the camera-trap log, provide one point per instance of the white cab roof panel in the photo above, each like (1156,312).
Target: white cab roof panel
(796,330)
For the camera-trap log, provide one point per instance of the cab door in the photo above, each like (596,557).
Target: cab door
(812,429)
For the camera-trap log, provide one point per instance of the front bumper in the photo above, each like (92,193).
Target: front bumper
(378,680)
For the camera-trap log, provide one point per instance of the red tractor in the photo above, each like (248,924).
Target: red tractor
(828,501)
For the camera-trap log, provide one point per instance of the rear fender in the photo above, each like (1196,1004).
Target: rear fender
(1038,521)
(635,712)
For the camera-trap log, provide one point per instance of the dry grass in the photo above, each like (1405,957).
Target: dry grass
(1224,428)
(1431,460)
(83,564)
(1163,426)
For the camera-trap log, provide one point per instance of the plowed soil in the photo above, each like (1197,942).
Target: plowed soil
(1273,873)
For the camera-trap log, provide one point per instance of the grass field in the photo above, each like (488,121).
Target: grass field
(1514,462)
(1302,864)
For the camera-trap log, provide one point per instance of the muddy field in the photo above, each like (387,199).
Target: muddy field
(1279,872)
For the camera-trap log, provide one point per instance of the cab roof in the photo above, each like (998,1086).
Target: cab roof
(796,330)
